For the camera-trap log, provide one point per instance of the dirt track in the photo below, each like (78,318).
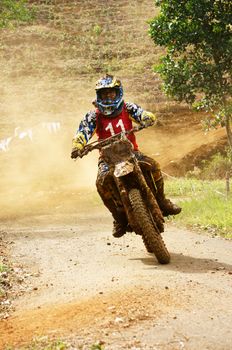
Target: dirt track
(86,286)
(80,283)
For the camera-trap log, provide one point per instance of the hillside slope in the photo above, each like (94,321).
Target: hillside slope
(51,65)
(48,71)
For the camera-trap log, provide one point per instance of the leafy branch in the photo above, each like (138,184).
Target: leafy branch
(13,12)
(197,67)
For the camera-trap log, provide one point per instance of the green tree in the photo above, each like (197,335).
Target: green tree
(13,11)
(197,65)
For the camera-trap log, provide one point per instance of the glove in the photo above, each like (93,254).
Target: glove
(148,119)
(77,149)
(76,153)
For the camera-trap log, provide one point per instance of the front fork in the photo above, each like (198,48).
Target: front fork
(123,191)
(136,180)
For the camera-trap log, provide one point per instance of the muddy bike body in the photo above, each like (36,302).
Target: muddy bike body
(132,187)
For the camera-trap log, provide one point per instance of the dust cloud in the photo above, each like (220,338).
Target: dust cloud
(37,174)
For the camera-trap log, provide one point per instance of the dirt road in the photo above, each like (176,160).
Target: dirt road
(84,286)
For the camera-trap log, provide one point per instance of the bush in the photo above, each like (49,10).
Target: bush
(14,12)
(217,167)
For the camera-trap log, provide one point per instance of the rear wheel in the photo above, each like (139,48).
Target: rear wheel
(152,238)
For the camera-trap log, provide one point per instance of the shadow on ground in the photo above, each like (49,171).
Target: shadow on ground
(187,264)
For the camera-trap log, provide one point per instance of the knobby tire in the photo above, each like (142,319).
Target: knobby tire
(152,238)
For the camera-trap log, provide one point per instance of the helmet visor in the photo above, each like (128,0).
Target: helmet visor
(108,96)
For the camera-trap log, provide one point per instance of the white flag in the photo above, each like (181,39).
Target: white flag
(25,133)
(52,126)
(4,144)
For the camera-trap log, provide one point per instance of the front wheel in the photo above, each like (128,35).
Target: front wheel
(150,232)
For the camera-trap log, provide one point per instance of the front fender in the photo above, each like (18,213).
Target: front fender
(123,168)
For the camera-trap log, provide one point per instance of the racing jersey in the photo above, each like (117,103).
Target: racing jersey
(104,126)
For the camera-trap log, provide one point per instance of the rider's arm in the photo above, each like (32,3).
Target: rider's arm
(139,115)
(85,131)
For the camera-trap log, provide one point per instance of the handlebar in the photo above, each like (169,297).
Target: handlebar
(99,144)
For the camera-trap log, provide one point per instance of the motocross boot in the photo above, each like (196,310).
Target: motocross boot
(166,206)
(119,229)
(120,223)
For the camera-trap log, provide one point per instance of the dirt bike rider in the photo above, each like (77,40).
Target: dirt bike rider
(111,116)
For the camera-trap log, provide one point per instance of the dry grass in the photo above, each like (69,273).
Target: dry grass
(48,73)
(72,43)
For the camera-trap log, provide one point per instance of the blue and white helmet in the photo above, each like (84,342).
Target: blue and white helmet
(109,107)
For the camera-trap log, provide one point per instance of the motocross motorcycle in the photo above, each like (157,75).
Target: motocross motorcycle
(133,188)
